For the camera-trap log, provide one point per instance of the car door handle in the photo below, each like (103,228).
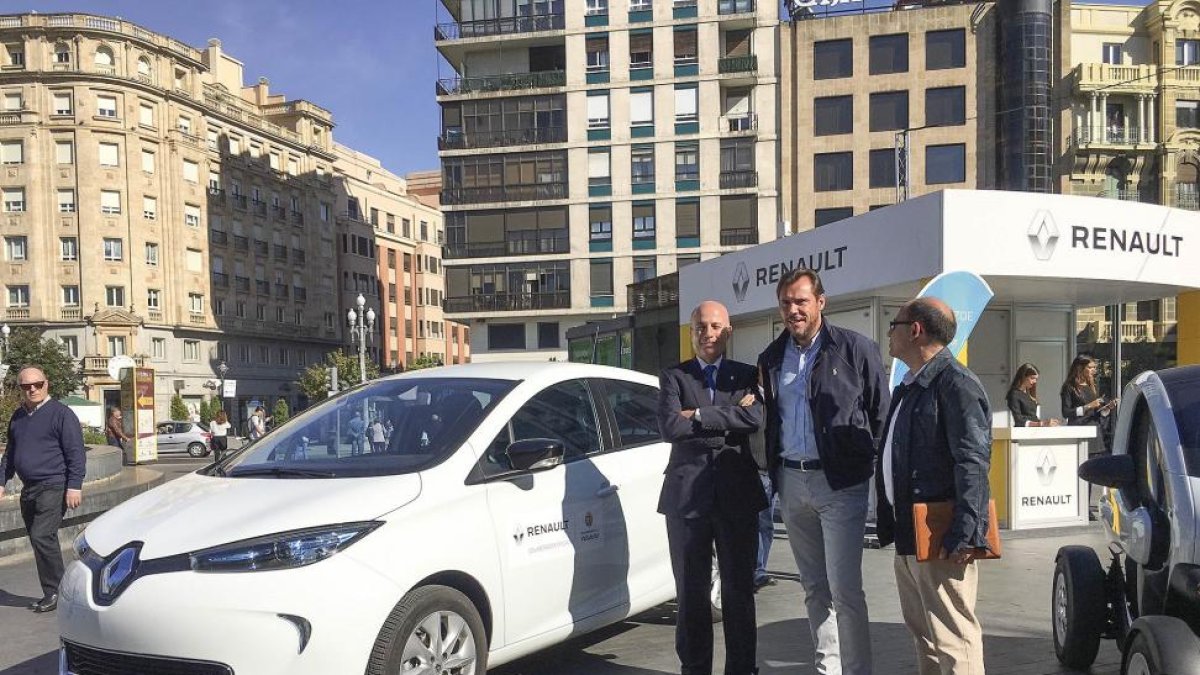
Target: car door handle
(607,491)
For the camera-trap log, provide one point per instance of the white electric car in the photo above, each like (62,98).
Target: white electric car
(512,506)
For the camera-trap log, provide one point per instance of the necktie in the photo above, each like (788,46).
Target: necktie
(710,382)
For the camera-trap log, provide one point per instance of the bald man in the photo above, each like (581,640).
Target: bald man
(45,448)
(711,494)
(937,449)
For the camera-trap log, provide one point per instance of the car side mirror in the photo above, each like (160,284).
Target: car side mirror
(535,454)
(1114,471)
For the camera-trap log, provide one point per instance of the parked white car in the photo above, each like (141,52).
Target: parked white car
(513,507)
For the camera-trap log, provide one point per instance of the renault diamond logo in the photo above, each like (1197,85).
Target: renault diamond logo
(741,282)
(1046,466)
(1043,235)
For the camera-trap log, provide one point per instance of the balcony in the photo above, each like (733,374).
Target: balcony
(501,26)
(98,365)
(154,316)
(544,244)
(739,236)
(1131,331)
(260,207)
(16,313)
(509,302)
(298,256)
(737,64)
(1103,192)
(746,122)
(1116,79)
(220,279)
(654,293)
(216,195)
(736,180)
(260,248)
(218,237)
(196,318)
(239,201)
(241,284)
(511,193)
(279,252)
(1110,135)
(1187,198)
(297,218)
(281,291)
(507,82)
(279,212)
(70,313)
(452,140)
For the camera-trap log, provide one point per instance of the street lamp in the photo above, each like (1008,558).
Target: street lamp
(221,370)
(4,332)
(360,326)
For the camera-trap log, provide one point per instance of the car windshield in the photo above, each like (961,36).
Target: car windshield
(1183,389)
(386,428)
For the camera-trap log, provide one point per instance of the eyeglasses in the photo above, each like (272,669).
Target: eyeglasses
(893,324)
(33,386)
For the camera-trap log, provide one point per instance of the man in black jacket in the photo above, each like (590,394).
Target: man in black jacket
(825,395)
(45,448)
(711,493)
(937,448)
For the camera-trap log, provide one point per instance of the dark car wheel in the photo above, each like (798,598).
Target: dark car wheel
(1161,645)
(197,449)
(434,629)
(1078,608)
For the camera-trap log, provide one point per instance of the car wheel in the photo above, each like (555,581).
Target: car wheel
(1078,608)
(197,449)
(434,629)
(1161,645)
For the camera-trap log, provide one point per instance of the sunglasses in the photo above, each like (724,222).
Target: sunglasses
(893,324)
(33,386)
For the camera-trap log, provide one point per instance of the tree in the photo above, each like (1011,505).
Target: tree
(179,409)
(314,381)
(424,361)
(208,409)
(27,347)
(280,413)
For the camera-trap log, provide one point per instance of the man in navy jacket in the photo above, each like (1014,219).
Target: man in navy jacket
(711,494)
(826,398)
(45,448)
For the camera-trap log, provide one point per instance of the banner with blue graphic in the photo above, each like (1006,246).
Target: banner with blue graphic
(967,294)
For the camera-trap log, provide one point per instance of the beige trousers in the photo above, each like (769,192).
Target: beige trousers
(937,599)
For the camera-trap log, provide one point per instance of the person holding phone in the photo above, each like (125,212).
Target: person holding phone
(1082,403)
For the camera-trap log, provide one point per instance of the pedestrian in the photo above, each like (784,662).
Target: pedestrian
(388,428)
(258,423)
(114,429)
(378,437)
(711,494)
(45,449)
(1083,405)
(937,448)
(826,397)
(357,428)
(219,428)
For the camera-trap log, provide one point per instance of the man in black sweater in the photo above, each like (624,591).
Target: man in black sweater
(45,448)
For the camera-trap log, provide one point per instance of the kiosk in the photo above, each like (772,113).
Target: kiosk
(1043,255)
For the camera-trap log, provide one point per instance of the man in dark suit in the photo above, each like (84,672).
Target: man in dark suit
(711,495)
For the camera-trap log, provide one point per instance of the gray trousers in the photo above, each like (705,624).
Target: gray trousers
(42,508)
(826,528)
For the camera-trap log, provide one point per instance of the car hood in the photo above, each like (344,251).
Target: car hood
(196,511)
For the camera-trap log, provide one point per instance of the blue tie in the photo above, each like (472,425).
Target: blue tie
(710,382)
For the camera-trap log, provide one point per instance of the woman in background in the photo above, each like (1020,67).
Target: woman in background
(1022,399)
(1082,403)
(219,428)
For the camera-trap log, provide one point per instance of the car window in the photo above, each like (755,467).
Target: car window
(166,429)
(634,409)
(562,412)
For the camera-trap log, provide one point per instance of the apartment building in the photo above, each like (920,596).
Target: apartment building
(589,145)
(881,104)
(157,207)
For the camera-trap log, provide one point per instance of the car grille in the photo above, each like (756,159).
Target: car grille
(83,660)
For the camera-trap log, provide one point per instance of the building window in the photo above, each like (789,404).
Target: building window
(506,336)
(14,199)
(106,106)
(1187,52)
(686,103)
(683,260)
(641,50)
(110,202)
(1187,114)
(889,111)
(945,49)
(158,348)
(191,171)
(151,254)
(148,161)
(601,276)
(833,59)
(70,296)
(641,107)
(68,249)
(103,57)
(833,115)
(597,109)
(822,217)
(66,201)
(114,250)
(1110,53)
(191,215)
(71,344)
(737,157)
(599,167)
(687,160)
(883,168)
(13,102)
(833,171)
(889,54)
(195,303)
(945,106)
(146,115)
(18,296)
(548,337)
(114,296)
(16,249)
(686,52)
(595,7)
(191,350)
(64,152)
(12,152)
(643,220)
(62,104)
(644,268)
(153,298)
(62,53)
(687,219)
(149,208)
(116,345)
(600,223)
(642,164)
(945,164)
(109,154)
(597,53)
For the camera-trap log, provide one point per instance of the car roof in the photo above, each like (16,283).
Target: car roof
(531,371)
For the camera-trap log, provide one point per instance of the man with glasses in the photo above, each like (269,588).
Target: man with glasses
(45,448)
(826,397)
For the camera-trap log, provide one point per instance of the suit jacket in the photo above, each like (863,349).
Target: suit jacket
(711,471)
(1022,406)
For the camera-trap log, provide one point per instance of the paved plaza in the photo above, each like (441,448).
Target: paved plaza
(1014,607)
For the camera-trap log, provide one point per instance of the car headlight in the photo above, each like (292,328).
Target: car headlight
(280,551)
(80,546)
